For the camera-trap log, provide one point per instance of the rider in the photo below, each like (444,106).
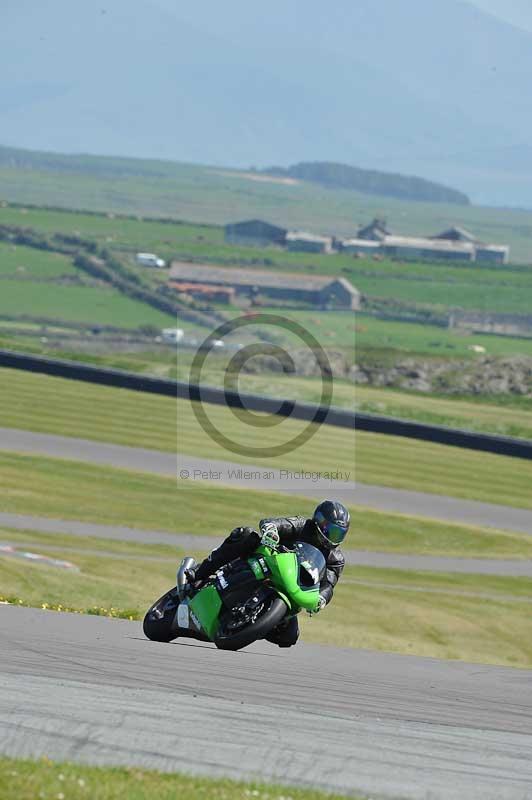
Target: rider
(326,530)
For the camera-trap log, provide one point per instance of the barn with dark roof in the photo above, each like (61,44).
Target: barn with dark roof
(254,232)
(318,290)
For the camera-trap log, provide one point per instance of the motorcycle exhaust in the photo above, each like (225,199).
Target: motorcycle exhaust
(182,580)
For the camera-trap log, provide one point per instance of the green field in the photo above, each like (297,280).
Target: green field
(506,418)
(407,339)
(143,420)
(502,414)
(206,194)
(362,334)
(375,532)
(75,409)
(431,286)
(65,490)
(115,232)
(108,583)
(470,291)
(40,284)
(436,286)
(467,617)
(26,780)
(87,304)
(17,261)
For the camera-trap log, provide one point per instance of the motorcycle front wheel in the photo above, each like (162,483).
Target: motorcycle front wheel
(272,615)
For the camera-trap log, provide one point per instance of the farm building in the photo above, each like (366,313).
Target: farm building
(493,253)
(302,242)
(340,293)
(254,232)
(320,291)
(362,246)
(376,231)
(456,234)
(427,249)
(452,244)
(218,294)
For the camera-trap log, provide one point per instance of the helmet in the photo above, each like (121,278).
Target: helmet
(332,522)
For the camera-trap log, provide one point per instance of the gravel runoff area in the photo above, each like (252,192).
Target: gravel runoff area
(94,690)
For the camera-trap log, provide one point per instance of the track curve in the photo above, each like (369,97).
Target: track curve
(94,690)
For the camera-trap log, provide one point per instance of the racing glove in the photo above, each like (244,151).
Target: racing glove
(321,604)
(270,535)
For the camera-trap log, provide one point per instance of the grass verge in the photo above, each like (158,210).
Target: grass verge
(399,533)
(66,489)
(439,469)
(95,611)
(72,408)
(106,414)
(461,617)
(26,780)
(509,417)
(476,618)
(118,579)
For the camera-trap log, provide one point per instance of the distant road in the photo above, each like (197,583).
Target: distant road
(199,544)
(432,506)
(95,690)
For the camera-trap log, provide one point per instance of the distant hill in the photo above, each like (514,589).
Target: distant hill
(82,164)
(437,89)
(205,194)
(335,176)
(384,184)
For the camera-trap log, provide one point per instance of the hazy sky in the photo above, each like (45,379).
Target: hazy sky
(518,12)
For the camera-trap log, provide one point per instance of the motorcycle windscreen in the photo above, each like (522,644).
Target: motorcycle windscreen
(312,565)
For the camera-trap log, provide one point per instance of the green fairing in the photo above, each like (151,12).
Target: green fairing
(206,605)
(257,569)
(284,576)
(281,573)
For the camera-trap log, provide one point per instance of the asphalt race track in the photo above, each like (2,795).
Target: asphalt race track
(94,690)
(432,506)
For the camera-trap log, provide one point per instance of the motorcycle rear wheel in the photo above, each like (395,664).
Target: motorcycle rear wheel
(263,625)
(158,623)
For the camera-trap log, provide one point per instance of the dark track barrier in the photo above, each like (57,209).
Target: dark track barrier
(488,443)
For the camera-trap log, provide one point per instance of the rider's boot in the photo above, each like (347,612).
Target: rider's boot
(286,634)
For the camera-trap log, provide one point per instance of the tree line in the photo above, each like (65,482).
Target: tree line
(387,184)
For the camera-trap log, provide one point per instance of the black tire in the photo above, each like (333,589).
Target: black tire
(161,628)
(259,629)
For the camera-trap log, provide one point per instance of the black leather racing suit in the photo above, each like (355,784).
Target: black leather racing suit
(242,542)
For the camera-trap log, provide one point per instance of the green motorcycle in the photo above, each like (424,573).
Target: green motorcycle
(243,601)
